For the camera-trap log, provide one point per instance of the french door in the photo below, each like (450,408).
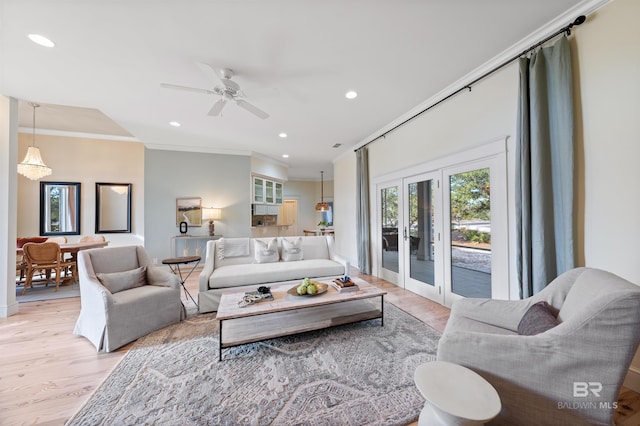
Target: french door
(443,234)
(422,235)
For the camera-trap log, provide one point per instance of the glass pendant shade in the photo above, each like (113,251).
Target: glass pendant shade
(32,166)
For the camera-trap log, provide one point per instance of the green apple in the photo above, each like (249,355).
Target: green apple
(302,290)
(312,289)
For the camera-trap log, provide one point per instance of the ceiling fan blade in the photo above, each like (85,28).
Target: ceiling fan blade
(216,109)
(209,71)
(189,89)
(252,109)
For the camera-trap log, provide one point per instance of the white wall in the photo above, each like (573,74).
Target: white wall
(87,161)
(222,181)
(8,201)
(608,54)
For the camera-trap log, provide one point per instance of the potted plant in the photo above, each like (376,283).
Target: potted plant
(323,224)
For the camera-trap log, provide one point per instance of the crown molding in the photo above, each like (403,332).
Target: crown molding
(82,135)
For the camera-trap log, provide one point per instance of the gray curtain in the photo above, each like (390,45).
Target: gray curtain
(545,168)
(363,219)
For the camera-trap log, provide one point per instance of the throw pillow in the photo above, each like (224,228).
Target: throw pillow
(119,281)
(292,250)
(266,252)
(539,318)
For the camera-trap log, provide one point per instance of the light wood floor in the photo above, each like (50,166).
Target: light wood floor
(47,373)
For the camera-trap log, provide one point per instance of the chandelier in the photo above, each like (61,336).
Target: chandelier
(322,206)
(32,166)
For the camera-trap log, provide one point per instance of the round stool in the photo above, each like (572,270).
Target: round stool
(455,395)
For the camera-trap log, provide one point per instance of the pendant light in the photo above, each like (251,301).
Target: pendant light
(32,166)
(322,206)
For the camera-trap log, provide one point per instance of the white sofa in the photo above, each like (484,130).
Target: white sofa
(224,270)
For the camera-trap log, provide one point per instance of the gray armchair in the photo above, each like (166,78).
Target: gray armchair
(123,297)
(570,374)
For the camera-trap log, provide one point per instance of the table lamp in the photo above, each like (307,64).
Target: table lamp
(214,213)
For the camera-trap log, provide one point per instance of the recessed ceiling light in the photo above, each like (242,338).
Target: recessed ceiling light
(285,155)
(175,124)
(283,135)
(41,40)
(351,94)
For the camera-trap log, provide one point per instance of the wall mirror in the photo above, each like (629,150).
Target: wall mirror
(113,207)
(59,208)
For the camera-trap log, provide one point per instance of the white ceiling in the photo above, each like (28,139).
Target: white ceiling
(294,59)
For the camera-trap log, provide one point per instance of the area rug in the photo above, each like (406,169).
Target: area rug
(357,374)
(40,292)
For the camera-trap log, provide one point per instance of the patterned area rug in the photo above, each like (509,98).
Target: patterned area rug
(358,374)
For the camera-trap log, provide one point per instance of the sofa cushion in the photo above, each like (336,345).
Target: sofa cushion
(266,252)
(116,282)
(292,250)
(539,318)
(233,247)
(259,273)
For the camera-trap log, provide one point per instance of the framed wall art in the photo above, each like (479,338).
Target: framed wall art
(189,210)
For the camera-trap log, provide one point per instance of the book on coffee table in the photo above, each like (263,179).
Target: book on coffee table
(344,287)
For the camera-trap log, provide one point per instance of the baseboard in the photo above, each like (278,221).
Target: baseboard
(8,310)
(632,380)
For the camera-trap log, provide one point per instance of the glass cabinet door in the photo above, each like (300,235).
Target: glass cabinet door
(278,193)
(258,190)
(268,189)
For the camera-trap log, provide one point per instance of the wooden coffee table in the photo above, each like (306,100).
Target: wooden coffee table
(287,314)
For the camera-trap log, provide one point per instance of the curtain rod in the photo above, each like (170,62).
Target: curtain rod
(567,29)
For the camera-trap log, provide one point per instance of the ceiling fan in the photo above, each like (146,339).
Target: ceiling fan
(228,91)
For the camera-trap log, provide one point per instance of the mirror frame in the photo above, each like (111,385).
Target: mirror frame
(43,185)
(99,202)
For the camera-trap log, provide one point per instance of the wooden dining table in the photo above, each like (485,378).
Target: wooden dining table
(72,249)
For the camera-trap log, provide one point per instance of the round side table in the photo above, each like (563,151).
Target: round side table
(455,395)
(174,264)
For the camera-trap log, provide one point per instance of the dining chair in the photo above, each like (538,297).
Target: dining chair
(44,256)
(59,240)
(92,239)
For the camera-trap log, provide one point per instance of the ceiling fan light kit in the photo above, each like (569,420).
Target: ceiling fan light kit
(228,91)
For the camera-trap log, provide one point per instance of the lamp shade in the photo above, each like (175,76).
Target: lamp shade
(322,207)
(32,166)
(213,213)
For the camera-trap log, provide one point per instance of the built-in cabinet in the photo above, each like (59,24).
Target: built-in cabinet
(266,191)
(265,209)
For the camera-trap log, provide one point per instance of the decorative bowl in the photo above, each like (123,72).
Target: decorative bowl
(322,288)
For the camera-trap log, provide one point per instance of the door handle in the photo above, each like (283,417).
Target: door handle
(404,234)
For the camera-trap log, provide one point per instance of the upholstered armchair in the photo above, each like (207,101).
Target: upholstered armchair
(570,374)
(124,297)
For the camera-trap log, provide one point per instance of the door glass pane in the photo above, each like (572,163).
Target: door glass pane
(421,228)
(471,233)
(389,198)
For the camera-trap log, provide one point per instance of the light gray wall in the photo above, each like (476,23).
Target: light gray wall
(220,180)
